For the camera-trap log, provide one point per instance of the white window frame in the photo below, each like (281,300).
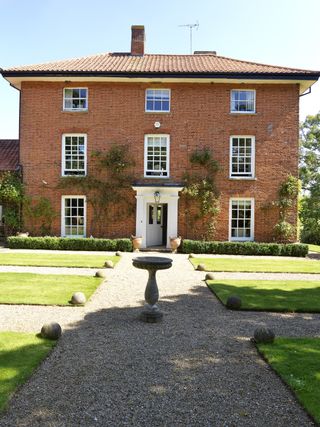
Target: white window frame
(63,166)
(253,155)
(243,112)
(75,109)
(146,155)
(63,200)
(157,111)
(242,239)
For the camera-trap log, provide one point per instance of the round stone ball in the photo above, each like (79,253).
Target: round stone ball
(263,336)
(191,255)
(233,302)
(118,253)
(108,264)
(78,298)
(101,273)
(209,276)
(51,330)
(201,267)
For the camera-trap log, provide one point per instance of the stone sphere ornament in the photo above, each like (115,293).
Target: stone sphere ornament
(78,298)
(263,336)
(192,256)
(118,253)
(201,267)
(233,302)
(52,331)
(101,273)
(209,276)
(109,264)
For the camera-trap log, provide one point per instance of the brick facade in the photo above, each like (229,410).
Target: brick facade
(199,117)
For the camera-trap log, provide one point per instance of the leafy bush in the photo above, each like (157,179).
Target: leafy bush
(244,248)
(61,243)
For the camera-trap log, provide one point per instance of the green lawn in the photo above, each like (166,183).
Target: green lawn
(259,265)
(20,354)
(54,289)
(314,248)
(297,361)
(56,260)
(270,295)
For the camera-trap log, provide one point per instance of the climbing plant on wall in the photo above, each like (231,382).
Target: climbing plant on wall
(201,193)
(105,186)
(11,197)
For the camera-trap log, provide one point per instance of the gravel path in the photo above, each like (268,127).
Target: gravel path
(196,368)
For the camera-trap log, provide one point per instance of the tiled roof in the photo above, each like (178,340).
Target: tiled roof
(127,63)
(9,154)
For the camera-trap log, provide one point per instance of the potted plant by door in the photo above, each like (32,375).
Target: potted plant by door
(175,242)
(136,243)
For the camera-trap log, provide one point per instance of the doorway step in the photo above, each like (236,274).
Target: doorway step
(155,249)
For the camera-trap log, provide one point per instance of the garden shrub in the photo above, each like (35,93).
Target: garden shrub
(61,243)
(244,248)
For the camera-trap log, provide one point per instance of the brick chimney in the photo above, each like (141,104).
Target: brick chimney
(137,40)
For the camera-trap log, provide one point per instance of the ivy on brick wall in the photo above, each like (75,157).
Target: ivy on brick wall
(201,194)
(11,198)
(104,187)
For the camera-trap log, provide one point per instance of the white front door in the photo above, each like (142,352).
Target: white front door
(154,224)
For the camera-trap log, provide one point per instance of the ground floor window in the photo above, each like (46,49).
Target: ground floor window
(241,219)
(73,216)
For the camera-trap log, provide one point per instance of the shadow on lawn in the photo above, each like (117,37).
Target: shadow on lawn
(196,367)
(302,300)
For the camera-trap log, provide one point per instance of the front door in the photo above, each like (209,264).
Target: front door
(155,224)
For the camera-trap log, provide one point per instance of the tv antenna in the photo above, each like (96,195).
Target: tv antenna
(191,27)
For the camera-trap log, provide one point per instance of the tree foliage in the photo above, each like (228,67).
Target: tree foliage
(310,178)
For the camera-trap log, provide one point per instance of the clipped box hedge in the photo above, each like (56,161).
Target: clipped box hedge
(244,248)
(63,243)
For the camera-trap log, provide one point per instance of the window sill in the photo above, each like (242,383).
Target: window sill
(73,176)
(231,178)
(156,177)
(157,112)
(238,113)
(75,111)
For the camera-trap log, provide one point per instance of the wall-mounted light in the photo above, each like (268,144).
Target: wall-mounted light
(157,197)
(157,125)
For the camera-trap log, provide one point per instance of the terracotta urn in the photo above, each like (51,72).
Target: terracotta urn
(136,243)
(175,242)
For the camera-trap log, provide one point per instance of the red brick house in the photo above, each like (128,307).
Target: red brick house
(162,108)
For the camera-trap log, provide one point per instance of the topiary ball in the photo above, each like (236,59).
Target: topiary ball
(78,298)
(233,302)
(101,273)
(263,335)
(51,331)
(201,267)
(109,264)
(209,276)
(118,253)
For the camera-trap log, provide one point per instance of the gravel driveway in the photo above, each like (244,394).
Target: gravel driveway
(195,368)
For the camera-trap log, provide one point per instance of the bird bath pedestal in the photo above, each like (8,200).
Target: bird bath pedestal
(151,312)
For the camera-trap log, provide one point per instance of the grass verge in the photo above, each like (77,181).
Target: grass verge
(41,289)
(56,260)
(314,248)
(270,295)
(297,361)
(20,354)
(258,265)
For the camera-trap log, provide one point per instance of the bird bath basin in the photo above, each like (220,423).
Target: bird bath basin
(151,312)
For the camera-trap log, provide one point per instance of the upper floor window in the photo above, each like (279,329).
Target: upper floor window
(243,101)
(156,157)
(158,100)
(74,149)
(75,99)
(242,156)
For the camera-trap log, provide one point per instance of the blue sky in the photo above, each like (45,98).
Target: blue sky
(281,32)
